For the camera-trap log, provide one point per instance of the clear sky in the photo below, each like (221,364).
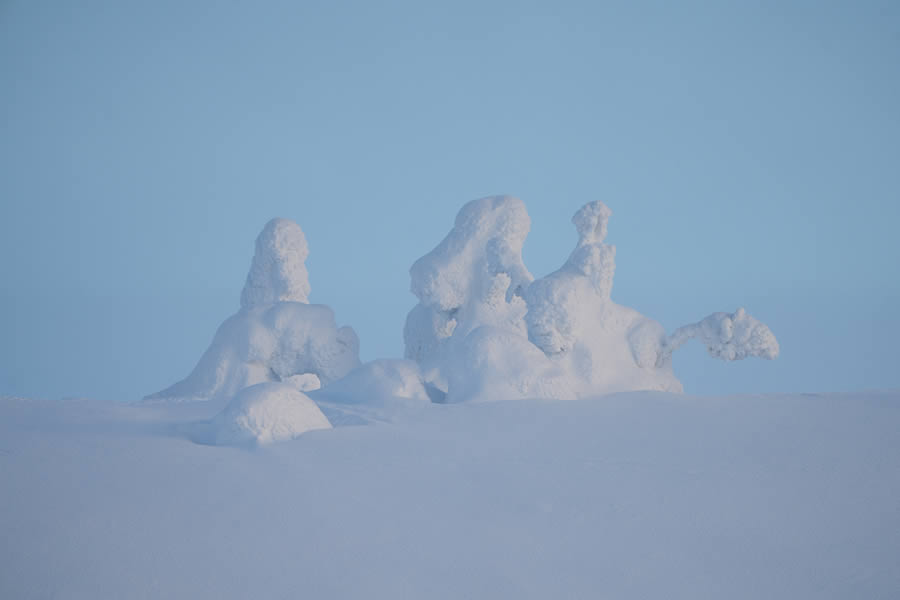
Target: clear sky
(750,152)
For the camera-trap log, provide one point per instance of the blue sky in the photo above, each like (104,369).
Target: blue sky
(749,152)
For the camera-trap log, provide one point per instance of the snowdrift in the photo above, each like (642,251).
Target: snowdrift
(629,496)
(276,338)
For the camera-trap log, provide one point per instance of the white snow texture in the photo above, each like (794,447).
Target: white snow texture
(484,329)
(275,337)
(278,272)
(265,413)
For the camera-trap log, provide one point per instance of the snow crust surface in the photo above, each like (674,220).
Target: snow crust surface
(629,496)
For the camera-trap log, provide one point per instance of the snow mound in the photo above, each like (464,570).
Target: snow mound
(380,391)
(272,339)
(484,328)
(266,413)
(379,380)
(278,271)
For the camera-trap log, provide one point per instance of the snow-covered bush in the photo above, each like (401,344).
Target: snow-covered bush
(603,346)
(474,277)
(275,336)
(483,329)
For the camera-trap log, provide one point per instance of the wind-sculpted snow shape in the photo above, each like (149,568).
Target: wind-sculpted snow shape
(278,271)
(603,346)
(474,277)
(275,336)
(483,329)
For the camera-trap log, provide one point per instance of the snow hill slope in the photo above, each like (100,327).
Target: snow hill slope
(633,495)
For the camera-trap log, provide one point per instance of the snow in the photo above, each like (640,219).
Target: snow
(485,329)
(633,495)
(727,336)
(455,472)
(278,271)
(262,414)
(272,342)
(474,277)
(276,336)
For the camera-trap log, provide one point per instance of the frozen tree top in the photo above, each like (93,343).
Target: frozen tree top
(486,239)
(278,271)
(590,222)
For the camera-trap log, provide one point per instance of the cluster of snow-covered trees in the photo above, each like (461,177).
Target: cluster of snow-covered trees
(483,329)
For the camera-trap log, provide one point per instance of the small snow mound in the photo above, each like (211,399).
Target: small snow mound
(266,413)
(307,382)
(380,380)
(278,271)
(380,391)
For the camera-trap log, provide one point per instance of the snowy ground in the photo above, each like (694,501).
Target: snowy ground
(637,495)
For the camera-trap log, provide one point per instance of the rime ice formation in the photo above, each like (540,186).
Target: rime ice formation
(726,336)
(474,277)
(603,346)
(278,271)
(483,329)
(266,413)
(275,336)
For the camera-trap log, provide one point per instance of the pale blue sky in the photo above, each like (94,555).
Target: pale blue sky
(750,152)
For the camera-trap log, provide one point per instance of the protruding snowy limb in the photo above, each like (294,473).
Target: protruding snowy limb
(727,336)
